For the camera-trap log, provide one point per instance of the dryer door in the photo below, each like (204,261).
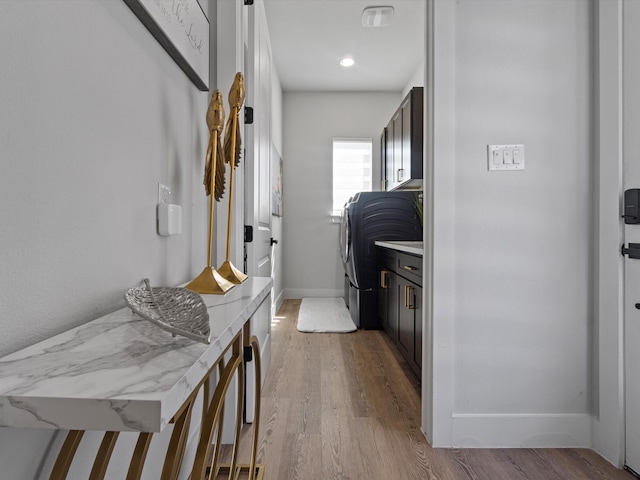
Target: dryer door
(347,252)
(345,236)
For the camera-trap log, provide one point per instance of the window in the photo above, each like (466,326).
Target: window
(351,169)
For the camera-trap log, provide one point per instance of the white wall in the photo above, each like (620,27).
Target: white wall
(512,250)
(416,80)
(94,114)
(311,121)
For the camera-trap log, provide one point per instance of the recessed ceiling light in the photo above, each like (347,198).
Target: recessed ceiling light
(347,62)
(377,16)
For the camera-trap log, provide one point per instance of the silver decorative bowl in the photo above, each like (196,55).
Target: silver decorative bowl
(175,309)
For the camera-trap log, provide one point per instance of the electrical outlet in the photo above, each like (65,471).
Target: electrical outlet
(163,193)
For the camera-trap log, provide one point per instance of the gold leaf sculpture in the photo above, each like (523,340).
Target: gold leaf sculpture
(209,280)
(215,122)
(236,99)
(232,154)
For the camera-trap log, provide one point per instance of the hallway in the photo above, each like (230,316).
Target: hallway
(346,406)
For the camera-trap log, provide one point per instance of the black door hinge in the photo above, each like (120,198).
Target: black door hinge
(248,115)
(248,2)
(248,354)
(633,251)
(248,234)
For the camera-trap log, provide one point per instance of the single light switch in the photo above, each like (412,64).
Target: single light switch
(516,157)
(497,157)
(507,157)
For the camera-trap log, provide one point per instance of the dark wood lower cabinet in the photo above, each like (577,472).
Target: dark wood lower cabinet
(387,302)
(410,323)
(400,303)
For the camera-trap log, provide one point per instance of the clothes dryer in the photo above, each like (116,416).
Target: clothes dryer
(368,217)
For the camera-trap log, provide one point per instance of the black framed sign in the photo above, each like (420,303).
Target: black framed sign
(182,28)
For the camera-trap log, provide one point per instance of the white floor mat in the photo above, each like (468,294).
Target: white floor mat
(324,315)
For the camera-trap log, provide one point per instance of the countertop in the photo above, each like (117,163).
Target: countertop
(414,247)
(119,372)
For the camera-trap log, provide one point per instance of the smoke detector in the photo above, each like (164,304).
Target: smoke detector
(377,16)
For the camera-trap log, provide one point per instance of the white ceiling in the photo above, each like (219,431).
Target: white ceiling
(309,37)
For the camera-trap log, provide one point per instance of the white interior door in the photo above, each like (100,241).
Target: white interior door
(631,152)
(258,164)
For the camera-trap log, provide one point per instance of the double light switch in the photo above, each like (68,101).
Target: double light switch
(505,157)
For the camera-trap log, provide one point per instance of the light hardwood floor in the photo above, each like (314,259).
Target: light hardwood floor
(346,406)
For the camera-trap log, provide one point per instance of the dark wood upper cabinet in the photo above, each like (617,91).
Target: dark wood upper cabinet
(403,145)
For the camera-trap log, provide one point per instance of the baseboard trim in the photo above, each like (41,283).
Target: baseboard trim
(277,303)
(313,292)
(265,358)
(521,430)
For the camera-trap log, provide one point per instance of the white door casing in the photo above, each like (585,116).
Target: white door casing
(257,171)
(631,155)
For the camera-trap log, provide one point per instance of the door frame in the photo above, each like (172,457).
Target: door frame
(233,37)
(230,60)
(630,122)
(608,307)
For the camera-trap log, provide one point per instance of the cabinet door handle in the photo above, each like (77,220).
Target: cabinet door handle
(399,174)
(410,268)
(384,279)
(408,296)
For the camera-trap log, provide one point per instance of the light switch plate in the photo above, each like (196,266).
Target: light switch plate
(163,193)
(505,157)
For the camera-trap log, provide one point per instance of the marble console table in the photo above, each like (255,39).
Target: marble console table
(122,373)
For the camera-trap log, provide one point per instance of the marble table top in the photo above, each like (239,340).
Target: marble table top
(415,247)
(118,372)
